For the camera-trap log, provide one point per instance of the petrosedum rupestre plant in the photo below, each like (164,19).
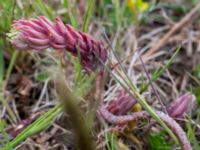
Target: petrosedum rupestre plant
(116,113)
(41,33)
(177,109)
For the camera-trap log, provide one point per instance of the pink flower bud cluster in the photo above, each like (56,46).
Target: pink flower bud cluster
(122,104)
(116,114)
(182,106)
(41,33)
(177,109)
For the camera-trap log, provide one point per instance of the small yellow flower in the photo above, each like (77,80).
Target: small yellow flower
(137,5)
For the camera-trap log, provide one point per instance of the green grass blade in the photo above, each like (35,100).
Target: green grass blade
(110,141)
(44,9)
(191,135)
(158,73)
(66,3)
(88,16)
(78,67)
(11,64)
(118,9)
(8,72)
(1,67)
(40,124)
(191,130)
(5,135)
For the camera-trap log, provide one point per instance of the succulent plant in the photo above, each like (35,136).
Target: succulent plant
(41,33)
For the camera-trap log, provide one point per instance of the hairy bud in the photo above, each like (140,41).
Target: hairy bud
(182,106)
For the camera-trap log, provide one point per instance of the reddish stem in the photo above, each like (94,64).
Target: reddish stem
(171,123)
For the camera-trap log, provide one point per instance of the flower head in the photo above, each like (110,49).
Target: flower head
(137,5)
(41,33)
(182,106)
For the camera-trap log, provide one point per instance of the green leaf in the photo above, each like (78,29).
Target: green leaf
(158,141)
(42,77)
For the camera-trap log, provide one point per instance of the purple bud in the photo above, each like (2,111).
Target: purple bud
(182,106)
(122,104)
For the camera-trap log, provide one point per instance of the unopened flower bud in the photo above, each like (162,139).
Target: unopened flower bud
(122,104)
(182,106)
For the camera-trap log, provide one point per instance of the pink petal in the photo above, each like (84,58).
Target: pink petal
(37,42)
